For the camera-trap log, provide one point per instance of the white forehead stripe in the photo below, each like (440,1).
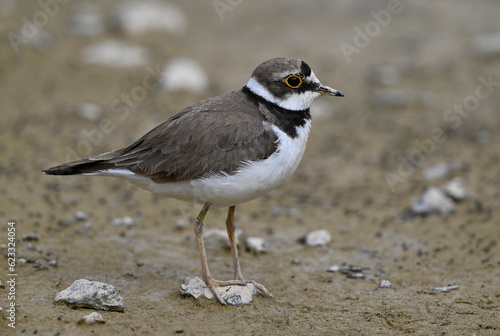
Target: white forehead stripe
(295,102)
(313,77)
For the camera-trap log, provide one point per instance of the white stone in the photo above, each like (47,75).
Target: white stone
(444,289)
(232,295)
(126,221)
(256,245)
(81,216)
(180,224)
(433,200)
(91,294)
(32,236)
(115,53)
(317,238)
(137,17)
(455,189)
(385,284)
(91,318)
(184,73)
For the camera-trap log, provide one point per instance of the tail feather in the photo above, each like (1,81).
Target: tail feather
(84,166)
(75,167)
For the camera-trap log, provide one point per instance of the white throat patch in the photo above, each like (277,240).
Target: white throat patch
(294,102)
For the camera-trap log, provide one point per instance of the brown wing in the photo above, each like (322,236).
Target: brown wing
(215,135)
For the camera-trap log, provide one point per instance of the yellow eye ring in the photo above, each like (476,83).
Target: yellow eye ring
(293,81)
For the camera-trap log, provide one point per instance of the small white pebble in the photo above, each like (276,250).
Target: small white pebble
(444,289)
(81,216)
(184,73)
(455,189)
(126,221)
(92,318)
(179,224)
(256,245)
(386,284)
(32,236)
(433,200)
(318,238)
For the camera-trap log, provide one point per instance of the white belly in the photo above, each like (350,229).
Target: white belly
(252,180)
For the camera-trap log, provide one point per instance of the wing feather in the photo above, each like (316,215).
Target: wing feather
(217,135)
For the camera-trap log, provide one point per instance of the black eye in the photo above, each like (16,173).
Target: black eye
(293,81)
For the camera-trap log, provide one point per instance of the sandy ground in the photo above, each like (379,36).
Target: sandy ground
(341,184)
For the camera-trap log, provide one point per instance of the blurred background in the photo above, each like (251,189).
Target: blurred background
(406,166)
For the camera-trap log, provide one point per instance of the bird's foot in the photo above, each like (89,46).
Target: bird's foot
(213,284)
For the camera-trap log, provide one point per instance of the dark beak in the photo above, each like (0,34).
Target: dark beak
(326,90)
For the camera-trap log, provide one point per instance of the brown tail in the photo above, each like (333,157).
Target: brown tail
(84,166)
(78,167)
